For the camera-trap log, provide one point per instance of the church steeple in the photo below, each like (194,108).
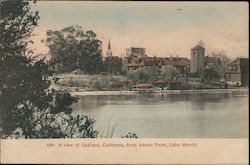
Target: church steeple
(109,51)
(109,47)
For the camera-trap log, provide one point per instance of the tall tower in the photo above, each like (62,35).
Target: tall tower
(197,59)
(109,51)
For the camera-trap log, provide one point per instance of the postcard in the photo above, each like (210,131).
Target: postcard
(124,82)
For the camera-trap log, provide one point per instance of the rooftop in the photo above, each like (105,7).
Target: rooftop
(144,85)
(197,47)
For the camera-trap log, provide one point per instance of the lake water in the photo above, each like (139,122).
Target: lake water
(216,115)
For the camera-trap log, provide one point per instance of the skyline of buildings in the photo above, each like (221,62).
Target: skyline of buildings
(236,73)
(198,51)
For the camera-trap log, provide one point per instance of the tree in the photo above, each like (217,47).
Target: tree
(73,48)
(210,73)
(17,23)
(143,75)
(224,61)
(169,72)
(113,67)
(30,108)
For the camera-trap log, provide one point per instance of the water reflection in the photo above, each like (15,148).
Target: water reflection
(217,115)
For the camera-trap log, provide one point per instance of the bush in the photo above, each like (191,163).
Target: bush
(143,75)
(169,72)
(29,107)
(210,73)
(130,135)
(99,85)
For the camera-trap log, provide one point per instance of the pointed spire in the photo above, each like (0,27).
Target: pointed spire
(109,47)
(109,52)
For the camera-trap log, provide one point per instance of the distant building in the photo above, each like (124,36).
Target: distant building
(238,72)
(134,66)
(109,51)
(144,85)
(113,64)
(197,59)
(139,52)
(133,58)
(179,63)
(113,60)
(143,62)
(212,60)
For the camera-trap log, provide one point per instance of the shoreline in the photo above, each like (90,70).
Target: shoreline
(193,91)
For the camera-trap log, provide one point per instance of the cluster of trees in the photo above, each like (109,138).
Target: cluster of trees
(143,75)
(29,107)
(224,61)
(73,48)
(150,75)
(169,72)
(215,71)
(211,73)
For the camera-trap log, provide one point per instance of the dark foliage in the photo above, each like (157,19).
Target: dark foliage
(130,135)
(73,48)
(30,108)
(113,67)
(17,24)
(210,73)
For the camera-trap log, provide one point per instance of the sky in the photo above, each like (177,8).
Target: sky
(163,28)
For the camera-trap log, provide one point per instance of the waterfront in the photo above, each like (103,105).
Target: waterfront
(194,115)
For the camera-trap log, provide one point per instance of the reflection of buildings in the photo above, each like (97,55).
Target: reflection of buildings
(238,72)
